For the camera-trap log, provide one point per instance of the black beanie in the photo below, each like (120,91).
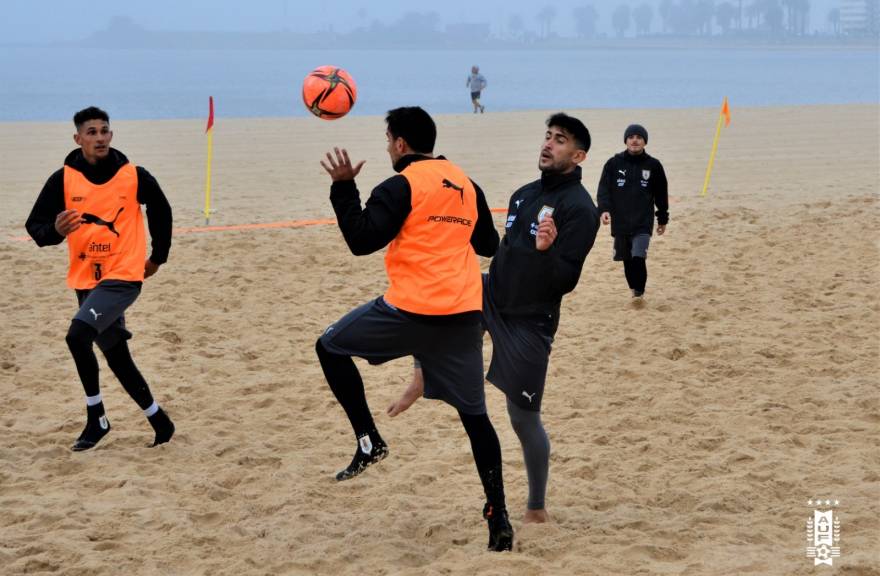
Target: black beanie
(633,129)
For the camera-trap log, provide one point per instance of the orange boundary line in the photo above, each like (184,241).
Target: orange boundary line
(258,226)
(262,226)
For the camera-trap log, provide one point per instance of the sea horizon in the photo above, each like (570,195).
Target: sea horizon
(46,84)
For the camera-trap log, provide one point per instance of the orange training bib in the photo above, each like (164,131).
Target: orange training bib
(111,243)
(431,264)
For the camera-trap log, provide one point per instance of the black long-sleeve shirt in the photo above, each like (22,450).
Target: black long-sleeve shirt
(374,226)
(41,222)
(525,281)
(630,187)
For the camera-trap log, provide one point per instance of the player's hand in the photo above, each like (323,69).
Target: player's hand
(605,218)
(150,268)
(546,234)
(340,168)
(661,228)
(68,221)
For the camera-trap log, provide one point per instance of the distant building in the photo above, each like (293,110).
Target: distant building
(860,17)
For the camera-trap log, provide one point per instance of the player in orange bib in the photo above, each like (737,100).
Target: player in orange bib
(94,202)
(435,221)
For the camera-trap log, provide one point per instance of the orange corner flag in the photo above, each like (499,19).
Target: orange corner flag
(725,117)
(211,113)
(210,133)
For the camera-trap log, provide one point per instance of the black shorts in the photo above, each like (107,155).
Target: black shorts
(103,308)
(451,354)
(475,95)
(521,348)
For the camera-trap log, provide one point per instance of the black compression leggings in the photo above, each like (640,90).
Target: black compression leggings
(348,387)
(636,271)
(487,455)
(122,364)
(80,339)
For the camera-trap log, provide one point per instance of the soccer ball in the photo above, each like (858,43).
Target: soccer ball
(329,92)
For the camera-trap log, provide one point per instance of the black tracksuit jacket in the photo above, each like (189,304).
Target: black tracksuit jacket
(526,282)
(41,222)
(629,189)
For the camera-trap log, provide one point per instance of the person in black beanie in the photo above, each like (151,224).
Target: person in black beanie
(632,184)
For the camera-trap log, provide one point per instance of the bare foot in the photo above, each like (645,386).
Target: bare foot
(536,516)
(413,392)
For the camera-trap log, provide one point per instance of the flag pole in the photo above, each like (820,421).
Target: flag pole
(210,132)
(723,116)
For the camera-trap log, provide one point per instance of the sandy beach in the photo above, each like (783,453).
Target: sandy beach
(688,435)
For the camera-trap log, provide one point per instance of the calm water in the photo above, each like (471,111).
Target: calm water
(49,83)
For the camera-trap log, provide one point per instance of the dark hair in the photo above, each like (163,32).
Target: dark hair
(90,113)
(574,127)
(413,125)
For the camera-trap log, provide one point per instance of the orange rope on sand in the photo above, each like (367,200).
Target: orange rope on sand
(260,226)
(268,225)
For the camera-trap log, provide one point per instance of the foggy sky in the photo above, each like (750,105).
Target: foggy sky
(42,21)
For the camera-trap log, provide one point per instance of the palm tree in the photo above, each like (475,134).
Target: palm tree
(516,26)
(620,19)
(545,18)
(789,18)
(803,10)
(703,16)
(753,14)
(725,14)
(585,19)
(642,16)
(834,20)
(797,12)
(665,10)
(773,16)
(686,18)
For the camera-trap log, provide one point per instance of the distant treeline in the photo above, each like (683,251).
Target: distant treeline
(671,22)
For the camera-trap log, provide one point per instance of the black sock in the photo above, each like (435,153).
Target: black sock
(636,271)
(96,428)
(80,337)
(121,363)
(487,456)
(95,412)
(345,382)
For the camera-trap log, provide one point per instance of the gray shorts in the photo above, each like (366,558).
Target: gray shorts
(450,353)
(103,308)
(521,347)
(628,247)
